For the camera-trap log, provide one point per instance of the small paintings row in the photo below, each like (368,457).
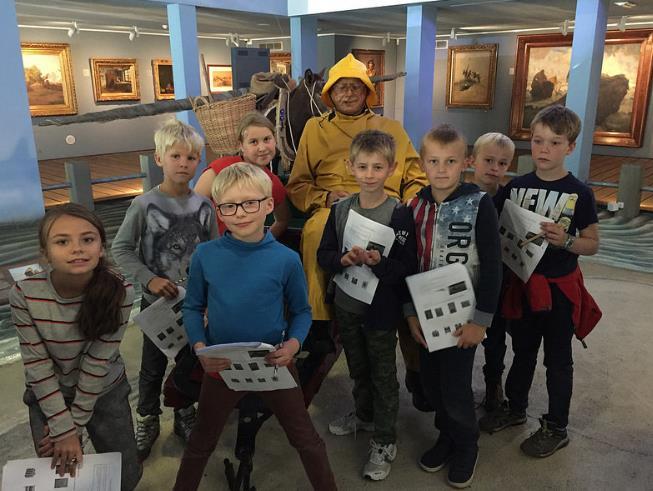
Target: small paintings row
(51,87)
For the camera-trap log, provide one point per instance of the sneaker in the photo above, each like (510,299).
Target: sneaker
(349,424)
(545,441)
(437,456)
(147,431)
(493,396)
(461,470)
(501,418)
(184,422)
(378,467)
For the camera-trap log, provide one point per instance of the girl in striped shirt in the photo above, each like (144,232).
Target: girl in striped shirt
(70,320)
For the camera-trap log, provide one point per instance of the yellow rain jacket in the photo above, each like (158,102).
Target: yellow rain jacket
(320,167)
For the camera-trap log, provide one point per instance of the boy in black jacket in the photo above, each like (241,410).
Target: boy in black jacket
(368,331)
(454,222)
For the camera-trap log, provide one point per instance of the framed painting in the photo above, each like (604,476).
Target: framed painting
(374,61)
(164,85)
(281,63)
(541,79)
(220,78)
(471,74)
(115,79)
(49,79)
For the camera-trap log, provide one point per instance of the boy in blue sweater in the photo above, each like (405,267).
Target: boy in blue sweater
(244,280)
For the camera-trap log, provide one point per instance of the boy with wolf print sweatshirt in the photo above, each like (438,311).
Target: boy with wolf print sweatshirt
(154,244)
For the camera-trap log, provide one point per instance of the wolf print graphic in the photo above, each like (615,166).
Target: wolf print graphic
(172,239)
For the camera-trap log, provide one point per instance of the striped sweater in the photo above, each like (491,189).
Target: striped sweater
(57,357)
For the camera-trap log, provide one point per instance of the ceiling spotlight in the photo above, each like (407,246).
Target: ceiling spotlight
(564,28)
(73,30)
(626,5)
(134,33)
(622,23)
(164,26)
(386,39)
(452,34)
(232,40)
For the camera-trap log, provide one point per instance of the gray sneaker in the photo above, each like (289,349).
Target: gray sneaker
(501,418)
(147,431)
(545,441)
(184,422)
(349,424)
(381,456)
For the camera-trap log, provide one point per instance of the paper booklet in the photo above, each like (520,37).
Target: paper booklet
(516,226)
(249,371)
(98,472)
(163,323)
(444,300)
(360,282)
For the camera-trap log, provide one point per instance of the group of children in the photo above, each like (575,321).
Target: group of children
(245,286)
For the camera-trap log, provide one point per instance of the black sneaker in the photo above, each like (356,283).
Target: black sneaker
(545,441)
(463,464)
(501,418)
(184,422)
(437,456)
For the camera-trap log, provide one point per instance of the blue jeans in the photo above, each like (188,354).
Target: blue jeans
(110,428)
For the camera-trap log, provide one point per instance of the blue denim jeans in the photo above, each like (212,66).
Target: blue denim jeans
(111,428)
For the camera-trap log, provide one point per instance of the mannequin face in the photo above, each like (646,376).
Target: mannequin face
(348,96)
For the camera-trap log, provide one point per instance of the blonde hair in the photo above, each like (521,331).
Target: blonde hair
(253,119)
(559,119)
(498,139)
(174,132)
(445,134)
(240,174)
(373,141)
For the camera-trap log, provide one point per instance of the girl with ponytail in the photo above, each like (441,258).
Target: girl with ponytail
(70,321)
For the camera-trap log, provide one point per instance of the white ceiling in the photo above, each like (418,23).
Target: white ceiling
(465,15)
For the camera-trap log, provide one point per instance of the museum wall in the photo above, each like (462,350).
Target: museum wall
(475,122)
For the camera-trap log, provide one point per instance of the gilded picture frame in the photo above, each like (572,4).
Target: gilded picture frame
(49,79)
(220,78)
(374,60)
(164,85)
(115,79)
(471,76)
(541,78)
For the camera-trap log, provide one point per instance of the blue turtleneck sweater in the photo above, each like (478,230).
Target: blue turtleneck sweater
(245,287)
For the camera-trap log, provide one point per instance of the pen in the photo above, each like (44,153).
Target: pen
(522,243)
(283,335)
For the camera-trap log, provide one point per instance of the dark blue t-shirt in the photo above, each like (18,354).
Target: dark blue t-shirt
(555,200)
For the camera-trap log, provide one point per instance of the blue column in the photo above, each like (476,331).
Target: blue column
(303,39)
(21,198)
(420,65)
(585,78)
(182,26)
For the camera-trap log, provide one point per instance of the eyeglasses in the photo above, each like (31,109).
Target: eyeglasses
(249,206)
(356,89)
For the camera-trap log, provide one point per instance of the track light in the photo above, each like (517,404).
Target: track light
(233,40)
(73,30)
(622,23)
(453,34)
(134,33)
(564,28)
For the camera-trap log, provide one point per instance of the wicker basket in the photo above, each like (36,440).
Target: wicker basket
(220,120)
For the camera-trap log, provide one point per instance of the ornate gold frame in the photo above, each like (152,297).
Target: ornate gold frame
(158,95)
(456,58)
(103,95)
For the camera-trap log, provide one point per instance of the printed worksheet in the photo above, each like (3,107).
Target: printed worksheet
(521,246)
(19,273)
(249,371)
(360,282)
(99,472)
(444,299)
(163,323)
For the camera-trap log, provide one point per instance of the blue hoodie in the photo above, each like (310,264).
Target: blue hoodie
(246,287)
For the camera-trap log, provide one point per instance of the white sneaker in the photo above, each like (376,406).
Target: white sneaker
(349,424)
(378,467)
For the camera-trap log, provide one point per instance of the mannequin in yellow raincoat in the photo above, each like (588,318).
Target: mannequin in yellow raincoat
(319,177)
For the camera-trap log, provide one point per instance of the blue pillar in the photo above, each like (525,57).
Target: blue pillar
(585,78)
(182,26)
(303,39)
(420,65)
(21,198)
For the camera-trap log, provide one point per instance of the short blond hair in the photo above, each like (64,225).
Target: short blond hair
(445,134)
(373,141)
(174,132)
(493,138)
(240,174)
